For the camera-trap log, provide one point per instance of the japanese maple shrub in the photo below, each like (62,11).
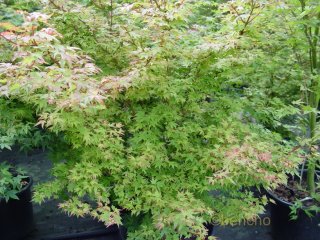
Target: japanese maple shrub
(273,50)
(147,141)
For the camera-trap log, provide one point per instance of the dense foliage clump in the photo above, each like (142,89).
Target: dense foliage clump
(151,111)
(11,183)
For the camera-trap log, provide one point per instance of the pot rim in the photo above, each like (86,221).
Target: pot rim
(284,202)
(278,199)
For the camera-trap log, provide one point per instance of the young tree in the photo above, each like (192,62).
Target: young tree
(153,140)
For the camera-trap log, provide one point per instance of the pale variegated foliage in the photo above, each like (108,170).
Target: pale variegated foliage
(155,130)
(44,69)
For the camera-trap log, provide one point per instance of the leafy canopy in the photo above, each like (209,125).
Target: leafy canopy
(150,135)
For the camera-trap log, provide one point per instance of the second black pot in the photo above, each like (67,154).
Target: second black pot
(16,216)
(284,228)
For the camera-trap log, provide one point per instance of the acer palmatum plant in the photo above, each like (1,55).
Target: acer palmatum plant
(145,141)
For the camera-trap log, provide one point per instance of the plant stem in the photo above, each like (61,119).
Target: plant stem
(111,15)
(313,101)
(312,37)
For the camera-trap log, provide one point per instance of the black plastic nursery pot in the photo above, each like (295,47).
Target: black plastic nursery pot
(16,216)
(284,228)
